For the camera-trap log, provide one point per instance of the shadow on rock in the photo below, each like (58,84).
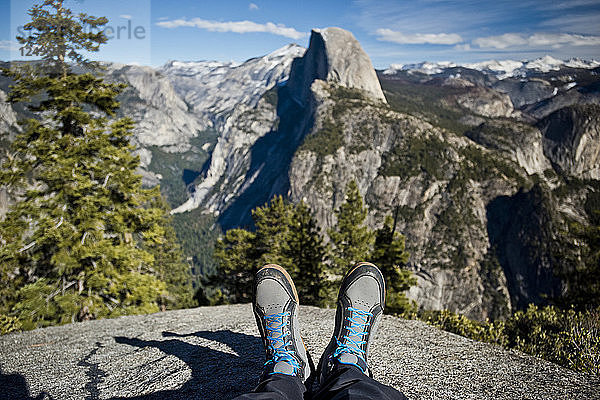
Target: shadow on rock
(15,387)
(215,374)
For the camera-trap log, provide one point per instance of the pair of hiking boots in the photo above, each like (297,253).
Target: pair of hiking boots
(359,307)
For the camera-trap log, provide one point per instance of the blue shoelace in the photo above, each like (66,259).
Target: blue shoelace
(355,337)
(275,326)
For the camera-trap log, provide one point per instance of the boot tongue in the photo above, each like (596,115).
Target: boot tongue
(284,368)
(356,325)
(348,358)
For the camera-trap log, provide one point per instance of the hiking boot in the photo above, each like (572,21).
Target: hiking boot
(276,312)
(359,308)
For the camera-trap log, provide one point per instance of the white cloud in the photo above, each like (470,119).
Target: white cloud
(125,16)
(502,41)
(388,35)
(234,26)
(252,7)
(554,40)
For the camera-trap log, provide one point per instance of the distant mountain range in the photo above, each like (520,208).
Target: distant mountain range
(485,164)
(501,69)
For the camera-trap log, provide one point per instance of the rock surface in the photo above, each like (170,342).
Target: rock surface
(215,353)
(336,57)
(572,140)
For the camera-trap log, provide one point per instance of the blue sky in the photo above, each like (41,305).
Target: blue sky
(151,32)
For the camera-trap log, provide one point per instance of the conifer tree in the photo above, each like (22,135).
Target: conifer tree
(351,239)
(74,246)
(237,260)
(169,262)
(306,253)
(240,252)
(390,256)
(272,223)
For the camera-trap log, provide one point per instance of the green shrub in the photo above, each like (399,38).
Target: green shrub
(326,140)
(566,337)
(9,324)
(416,154)
(490,332)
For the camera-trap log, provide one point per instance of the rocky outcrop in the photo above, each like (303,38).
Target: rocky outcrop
(572,140)
(522,143)
(336,57)
(162,117)
(446,187)
(212,90)
(229,163)
(8,129)
(8,117)
(240,103)
(526,92)
(258,140)
(215,353)
(441,202)
(486,102)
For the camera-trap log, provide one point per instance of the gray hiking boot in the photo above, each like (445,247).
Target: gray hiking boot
(359,308)
(276,311)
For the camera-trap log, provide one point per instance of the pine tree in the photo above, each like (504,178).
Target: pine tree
(74,245)
(168,259)
(352,240)
(390,256)
(240,252)
(272,223)
(237,258)
(306,253)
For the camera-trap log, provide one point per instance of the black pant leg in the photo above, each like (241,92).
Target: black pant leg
(277,387)
(347,382)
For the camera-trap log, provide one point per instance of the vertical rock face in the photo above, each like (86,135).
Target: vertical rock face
(8,118)
(334,56)
(520,229)
(518,141)
(572,140)
(250,161)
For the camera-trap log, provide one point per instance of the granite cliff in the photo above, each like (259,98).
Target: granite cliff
(485,165)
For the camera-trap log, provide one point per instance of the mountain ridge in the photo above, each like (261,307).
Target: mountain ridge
(445,152)
(501,68)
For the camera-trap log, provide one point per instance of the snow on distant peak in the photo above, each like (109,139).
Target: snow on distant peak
(579,63)
(196,68)
(545,64)
(293,50)
(428,68)
(500,68)
(199,69)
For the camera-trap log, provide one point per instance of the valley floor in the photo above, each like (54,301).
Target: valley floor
(216,353)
